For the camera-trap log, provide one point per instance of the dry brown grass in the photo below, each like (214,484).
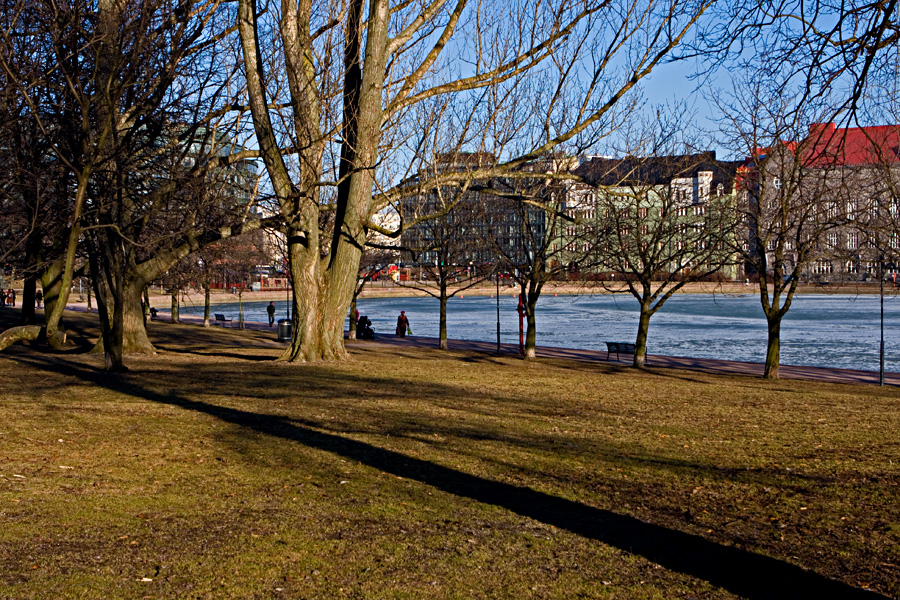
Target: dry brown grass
(210,471)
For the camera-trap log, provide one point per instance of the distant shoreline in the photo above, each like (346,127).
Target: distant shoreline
(376,290)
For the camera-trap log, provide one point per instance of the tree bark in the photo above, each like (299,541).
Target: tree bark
(22,333)
(640,343)
(55,296)
(174,305)
(206,304)
(530,333)
(134,328)
(323,286)
(319,307)
(27,301)
(33,249)
(351,328)
(773,347)
(442,344)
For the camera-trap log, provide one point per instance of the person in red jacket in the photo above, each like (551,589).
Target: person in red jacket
(402,324)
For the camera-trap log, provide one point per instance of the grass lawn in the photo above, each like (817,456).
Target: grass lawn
(209,471)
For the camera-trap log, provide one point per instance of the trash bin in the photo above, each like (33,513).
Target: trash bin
(284,330)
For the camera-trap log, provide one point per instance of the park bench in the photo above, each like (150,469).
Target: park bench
(617,347)
(221,319)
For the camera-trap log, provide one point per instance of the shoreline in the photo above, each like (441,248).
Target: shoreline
(654,361)
(378,290)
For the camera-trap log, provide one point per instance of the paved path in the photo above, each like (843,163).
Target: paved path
(706,365)
(730,367)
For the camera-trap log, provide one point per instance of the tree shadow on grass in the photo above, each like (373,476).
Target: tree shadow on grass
(739,571)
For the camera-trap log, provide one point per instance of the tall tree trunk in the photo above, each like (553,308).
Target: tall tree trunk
(773,347)
(530,295)
(51,282)
(110,304)
(206,304)
(55,296)
(530,333)
(442,344)
(319,303)
(134,329)
(351,317)
(323,287)
(33,248)
(174,305)
(27,300)
(640,343)
(134,323)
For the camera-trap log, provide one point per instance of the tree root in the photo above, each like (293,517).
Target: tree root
(23,333)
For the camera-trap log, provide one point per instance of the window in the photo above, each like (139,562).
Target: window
(852,240)
(777,183)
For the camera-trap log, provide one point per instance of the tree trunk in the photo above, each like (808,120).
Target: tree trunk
(145,305)
(640,343)
(174,306)
(134,328)
(319,303)
(442,344)
(206,304)
(530,333)
(54,302)
(22,333)
(111,314)
(27,301)
(773,347)
(530,297)
(351,328)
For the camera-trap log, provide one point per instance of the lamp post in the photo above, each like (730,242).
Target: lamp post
(881,294)
(881,348)
(497,277)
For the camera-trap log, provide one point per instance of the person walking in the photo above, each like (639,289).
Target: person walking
(39,298)
(402,324)
(271,310)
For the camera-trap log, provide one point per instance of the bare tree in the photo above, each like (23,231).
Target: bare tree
(449,249)
(792,197)
(369,86)
(661,222)
(525,222)
(142,139)
(835,52)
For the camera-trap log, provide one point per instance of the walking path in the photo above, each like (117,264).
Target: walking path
(706,365)
(729,367)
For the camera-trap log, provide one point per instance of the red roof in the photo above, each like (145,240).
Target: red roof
(853,146)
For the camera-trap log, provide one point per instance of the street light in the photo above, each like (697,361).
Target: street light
(497,277)
(881,350)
